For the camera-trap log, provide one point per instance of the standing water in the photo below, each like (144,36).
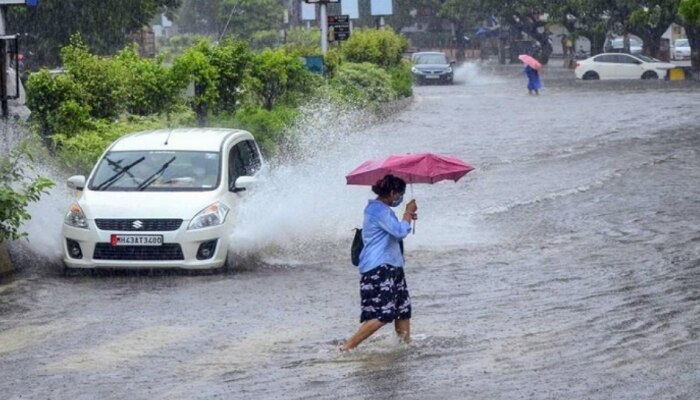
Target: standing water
(566,266)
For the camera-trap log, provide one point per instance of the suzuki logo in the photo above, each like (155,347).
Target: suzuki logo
(137,224)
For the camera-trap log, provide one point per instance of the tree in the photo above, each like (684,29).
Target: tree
(650,20)
(690,12)
(194,67)
(237,18)
(586,18)
(105,26)
(275,74)
(526,16)
(17,190)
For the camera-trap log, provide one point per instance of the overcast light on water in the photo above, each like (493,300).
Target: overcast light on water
(564,267)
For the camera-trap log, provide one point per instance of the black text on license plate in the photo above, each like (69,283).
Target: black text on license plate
(136,240)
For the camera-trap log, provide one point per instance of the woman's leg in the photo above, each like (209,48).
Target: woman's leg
(403,330)
(366,330)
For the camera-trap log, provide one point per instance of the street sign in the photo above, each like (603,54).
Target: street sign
(320,1)
(338,27)
(351,8)
(381,7)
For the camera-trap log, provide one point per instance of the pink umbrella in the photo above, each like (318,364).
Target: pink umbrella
(412,168)
(529,60)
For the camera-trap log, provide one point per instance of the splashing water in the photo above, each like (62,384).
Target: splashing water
(304,206)
(472,73)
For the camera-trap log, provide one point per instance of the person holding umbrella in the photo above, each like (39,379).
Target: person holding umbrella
(383,290)
(532,68)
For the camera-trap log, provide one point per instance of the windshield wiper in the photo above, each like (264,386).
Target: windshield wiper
(114,178)
(149,181)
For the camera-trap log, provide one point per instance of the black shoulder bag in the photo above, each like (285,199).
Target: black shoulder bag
(358,245)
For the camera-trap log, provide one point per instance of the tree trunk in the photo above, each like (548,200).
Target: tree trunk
(459,33)
(693,33)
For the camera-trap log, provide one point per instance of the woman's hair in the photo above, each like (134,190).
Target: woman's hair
(389,183)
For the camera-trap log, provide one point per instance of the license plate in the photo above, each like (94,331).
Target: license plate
(432,76)
(136,240)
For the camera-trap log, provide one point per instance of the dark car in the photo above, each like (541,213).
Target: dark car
(432,67)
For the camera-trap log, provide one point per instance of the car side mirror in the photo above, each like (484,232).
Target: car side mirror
(453,62)
(243,183)
(76,182)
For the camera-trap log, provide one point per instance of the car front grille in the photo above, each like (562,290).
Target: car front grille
(166,252)
(140,225)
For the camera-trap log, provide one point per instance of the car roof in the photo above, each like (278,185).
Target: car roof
(193,139)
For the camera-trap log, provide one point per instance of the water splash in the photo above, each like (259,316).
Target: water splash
(472,73)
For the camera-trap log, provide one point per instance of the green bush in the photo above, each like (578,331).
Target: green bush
(268,126)
(150,88)
(232,59)
(100,80)
(277,75)
(56,103)
(17,190)
(377,46)
(364,83)
(402,79)
(265,39)
(194,68)
(305,42)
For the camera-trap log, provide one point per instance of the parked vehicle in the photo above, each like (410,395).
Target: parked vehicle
(681,49)
(621,66)
(432,67)
(161,199)
(617,45)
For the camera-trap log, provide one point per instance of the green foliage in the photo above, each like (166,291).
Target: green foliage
(332,61)
(194,68)
(377,46)
(105,25)
(690,11)
(17,190)
(277,75)
(80,152)
(99,79)
(364,83)
(149,86)
(232,59)
(268,126)
(402,79)
(305,42)
(265,39)
(56,103)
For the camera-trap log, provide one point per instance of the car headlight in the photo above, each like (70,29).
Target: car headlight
(415,70)
(213,215)
(76,217)
(448,70)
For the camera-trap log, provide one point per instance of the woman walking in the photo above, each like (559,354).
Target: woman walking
(533,80)
(383,290)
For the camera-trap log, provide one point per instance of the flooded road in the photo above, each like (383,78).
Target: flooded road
(567,266)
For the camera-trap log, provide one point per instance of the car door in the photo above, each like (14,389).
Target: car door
(628,67)
(243,160)
(604,66)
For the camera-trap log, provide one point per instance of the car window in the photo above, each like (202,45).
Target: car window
(682,43)
(647,58)
(244,160)
(623,59)
(606,58)
(430,59)
(157,171)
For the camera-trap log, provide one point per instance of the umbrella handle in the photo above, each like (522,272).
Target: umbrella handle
(413,231)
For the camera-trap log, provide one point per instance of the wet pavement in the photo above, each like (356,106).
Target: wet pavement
(567,266)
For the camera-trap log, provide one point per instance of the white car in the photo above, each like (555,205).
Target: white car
(161,199)
(681,49)
(621,66)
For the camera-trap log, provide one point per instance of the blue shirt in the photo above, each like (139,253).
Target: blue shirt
(381,232)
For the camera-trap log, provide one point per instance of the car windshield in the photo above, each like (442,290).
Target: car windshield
(647,58)
(157,171)
(430,59)
(682,43)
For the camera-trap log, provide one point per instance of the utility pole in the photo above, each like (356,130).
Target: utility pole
(324,28)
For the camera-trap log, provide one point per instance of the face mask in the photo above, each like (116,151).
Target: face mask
(397,202)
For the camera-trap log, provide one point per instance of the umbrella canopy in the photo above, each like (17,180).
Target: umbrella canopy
(412,168)
(529,60)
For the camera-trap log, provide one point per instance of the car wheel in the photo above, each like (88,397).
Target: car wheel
(591,76)
(650,75)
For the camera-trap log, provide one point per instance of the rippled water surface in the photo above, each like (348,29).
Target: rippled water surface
(566,266)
